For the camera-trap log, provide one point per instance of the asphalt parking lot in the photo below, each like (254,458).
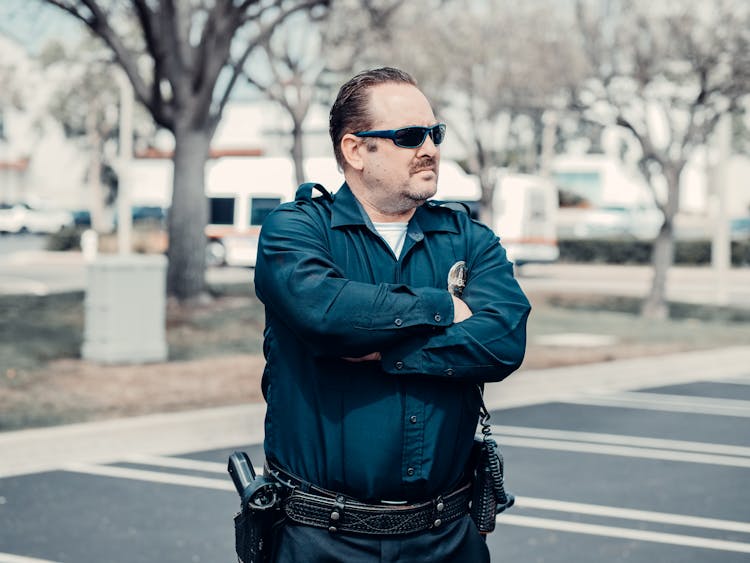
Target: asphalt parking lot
(653,473)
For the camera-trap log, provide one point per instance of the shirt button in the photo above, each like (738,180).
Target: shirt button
(398,322)
(410,471)
(449,371)
(437,317)
(399,365)
(413,419)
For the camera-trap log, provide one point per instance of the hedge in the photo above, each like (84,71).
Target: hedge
(619,251)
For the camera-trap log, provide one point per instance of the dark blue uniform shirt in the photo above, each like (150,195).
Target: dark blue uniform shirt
(400,428)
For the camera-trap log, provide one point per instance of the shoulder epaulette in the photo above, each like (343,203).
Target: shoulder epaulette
(459,206)
(304,192)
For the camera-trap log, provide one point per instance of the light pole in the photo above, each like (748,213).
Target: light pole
(721,258)
(124,213)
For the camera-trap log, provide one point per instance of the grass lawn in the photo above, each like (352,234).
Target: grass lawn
(215,353)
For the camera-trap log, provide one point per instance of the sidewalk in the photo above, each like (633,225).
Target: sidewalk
(46,449)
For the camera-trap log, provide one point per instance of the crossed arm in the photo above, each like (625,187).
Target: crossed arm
(480,336)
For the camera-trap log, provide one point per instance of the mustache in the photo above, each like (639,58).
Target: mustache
(424,163)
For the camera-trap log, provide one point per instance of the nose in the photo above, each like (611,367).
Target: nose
(428,148)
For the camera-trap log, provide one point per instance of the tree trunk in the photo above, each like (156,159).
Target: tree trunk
(298,154)
(487,180)
(187,237)
(655,306)
(95,192)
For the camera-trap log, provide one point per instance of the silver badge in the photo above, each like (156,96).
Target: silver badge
(457,278)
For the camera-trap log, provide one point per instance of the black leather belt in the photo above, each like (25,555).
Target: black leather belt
(318,507)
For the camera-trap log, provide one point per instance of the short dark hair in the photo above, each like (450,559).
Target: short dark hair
(351,112)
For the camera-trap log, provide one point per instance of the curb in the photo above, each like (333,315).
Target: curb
(49,449)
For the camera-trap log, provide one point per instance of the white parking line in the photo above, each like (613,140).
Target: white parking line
(151,476)
(10,558)
(624,533)
(178,463)
(668,403)
(621,439)
(632,514)
(623,451)
(184,463)
(507,519)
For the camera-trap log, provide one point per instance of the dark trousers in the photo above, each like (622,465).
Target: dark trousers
(456,542)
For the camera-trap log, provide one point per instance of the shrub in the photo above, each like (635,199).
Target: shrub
(622,251)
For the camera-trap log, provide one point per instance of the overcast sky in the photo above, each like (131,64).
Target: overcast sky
(33,23)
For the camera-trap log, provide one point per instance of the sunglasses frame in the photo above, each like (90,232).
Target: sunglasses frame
(392,133)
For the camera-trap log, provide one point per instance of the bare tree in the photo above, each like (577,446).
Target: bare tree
(183,64)
(293,65)
(307,55)
(83,101)
(665,73)
(492,68)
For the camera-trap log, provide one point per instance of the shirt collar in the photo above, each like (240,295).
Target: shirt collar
(427,218)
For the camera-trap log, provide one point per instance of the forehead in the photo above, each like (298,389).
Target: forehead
(394,105)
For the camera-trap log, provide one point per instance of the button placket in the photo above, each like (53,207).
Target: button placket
(413,437)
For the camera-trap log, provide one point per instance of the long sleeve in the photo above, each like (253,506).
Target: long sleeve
(297,279)
(486,347)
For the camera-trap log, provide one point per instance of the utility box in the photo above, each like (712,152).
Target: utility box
(126,309)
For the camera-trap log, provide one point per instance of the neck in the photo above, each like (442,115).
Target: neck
(379,216)
(374,211)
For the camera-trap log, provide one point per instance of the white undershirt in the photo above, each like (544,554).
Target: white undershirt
(394,234)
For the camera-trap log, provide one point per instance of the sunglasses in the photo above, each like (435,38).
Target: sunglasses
(409,137)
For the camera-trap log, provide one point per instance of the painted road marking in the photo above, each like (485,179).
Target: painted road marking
(632,514)
(184,463)
(10,558)
(621,439)
(667,403)
(623,451)
(178,463)
(510,519)
(151,476)
(623,533)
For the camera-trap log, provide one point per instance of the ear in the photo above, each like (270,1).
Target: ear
(351,149)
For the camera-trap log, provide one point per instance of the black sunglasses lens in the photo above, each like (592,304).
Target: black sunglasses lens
(410,137)
(413,137)
(438,134)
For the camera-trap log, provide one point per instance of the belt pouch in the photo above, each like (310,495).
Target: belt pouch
(483,504)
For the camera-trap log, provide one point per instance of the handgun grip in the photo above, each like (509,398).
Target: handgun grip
(241,470)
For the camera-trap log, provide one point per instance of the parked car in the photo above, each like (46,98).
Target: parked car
(11,218)
(610,221)
(22,217)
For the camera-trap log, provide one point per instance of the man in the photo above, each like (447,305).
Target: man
(374,369)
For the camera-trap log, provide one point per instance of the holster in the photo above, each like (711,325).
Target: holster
(260,511)
(253,534)
(488,495)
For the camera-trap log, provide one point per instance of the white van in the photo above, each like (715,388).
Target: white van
(525,210)
(243,191)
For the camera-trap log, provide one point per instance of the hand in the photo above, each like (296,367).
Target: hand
(461,310)
(372,357)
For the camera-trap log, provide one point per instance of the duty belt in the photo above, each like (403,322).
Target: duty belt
(321,508)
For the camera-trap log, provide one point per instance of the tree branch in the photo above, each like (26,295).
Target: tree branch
(263,35)
(98,23)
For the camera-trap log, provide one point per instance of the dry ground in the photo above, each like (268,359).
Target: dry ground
(215,356)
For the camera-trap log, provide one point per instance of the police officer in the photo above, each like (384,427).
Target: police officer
(374,369)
